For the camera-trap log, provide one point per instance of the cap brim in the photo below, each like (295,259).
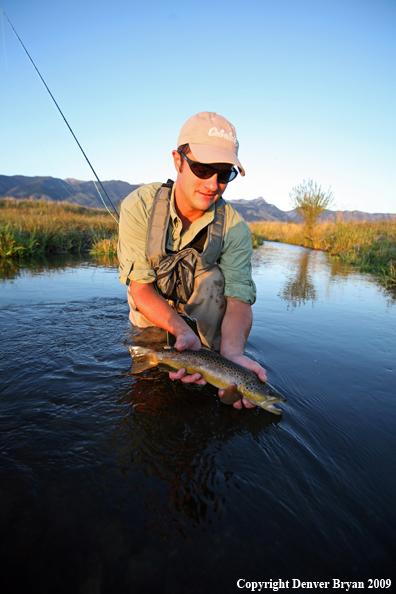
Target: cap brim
(209,153)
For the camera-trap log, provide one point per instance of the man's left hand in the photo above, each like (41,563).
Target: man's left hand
(250,365)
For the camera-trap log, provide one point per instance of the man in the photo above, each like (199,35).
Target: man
(183,249)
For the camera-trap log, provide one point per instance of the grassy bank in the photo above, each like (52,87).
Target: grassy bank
(28,228)
(371,247)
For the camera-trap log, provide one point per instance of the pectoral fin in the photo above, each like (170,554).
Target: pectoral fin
(231,395)
(141,366)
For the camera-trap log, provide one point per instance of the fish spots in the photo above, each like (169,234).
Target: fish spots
(216,370)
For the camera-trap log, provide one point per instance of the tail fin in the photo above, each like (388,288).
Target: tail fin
(141,359)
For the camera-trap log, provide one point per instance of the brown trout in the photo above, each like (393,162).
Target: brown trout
(216,370)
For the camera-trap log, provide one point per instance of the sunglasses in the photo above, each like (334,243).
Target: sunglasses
(204,171)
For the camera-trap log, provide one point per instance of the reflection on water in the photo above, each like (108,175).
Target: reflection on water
(115,483)
(165,445)
(301,271)
(11,268)
(305,265)
(299,287)
(174,432)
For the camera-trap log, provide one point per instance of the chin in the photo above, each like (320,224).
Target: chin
(207,198)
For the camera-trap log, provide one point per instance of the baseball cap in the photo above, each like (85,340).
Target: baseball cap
(212,139)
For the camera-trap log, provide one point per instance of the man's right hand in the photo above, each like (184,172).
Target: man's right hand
(187,340)
(159,312)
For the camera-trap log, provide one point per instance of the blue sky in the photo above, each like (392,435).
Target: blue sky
(309,85)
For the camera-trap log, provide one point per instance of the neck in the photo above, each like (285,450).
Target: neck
(187,215)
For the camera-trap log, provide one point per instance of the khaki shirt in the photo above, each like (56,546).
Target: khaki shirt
(235,257)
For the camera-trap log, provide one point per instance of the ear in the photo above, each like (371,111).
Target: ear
(176,160)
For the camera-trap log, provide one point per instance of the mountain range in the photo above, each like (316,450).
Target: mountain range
(20,187)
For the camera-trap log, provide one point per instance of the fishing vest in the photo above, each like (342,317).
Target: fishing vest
(176,271)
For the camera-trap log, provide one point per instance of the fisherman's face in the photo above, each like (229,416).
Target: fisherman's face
(192,192)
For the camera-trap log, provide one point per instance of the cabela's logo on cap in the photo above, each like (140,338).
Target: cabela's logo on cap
(222,134)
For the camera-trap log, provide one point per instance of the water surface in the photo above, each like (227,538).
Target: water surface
(115,483)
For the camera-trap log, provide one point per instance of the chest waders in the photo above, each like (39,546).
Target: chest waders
(176,271)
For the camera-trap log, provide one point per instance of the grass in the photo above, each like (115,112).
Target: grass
(107,246)
(371,247)
(29,228)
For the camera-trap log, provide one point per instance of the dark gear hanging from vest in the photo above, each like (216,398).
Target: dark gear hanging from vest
(176,271)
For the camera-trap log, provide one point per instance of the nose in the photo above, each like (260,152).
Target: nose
(212,183)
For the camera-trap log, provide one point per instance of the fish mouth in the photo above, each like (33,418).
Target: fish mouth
(269,405)
(271,408)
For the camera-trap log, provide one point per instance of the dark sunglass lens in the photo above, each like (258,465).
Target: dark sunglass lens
(226,176)
(206,171)
(202,171)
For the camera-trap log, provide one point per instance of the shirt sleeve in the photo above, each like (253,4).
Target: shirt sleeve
(235,259)
(131,250)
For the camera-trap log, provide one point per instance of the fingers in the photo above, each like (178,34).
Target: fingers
(188,341)
(195,378)
(250,365)
(240,403)
(175,375)
(262,374)
(258,370)
(248,404)
(181,343)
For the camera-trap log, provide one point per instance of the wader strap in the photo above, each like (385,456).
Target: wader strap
(177,271)
(214,245)
(158,225)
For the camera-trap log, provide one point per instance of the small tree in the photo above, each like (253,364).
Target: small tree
(310,202)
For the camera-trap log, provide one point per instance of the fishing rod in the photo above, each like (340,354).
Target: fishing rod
(66,122)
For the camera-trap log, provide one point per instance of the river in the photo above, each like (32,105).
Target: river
(113,483)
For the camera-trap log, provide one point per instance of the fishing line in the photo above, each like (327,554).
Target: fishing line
(2,28)
(83,205)
(65,120)
(50,164)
